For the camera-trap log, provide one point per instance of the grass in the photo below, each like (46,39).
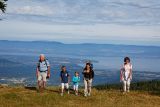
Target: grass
(101,97)
(152,87)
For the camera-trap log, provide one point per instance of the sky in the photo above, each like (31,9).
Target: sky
(133,22)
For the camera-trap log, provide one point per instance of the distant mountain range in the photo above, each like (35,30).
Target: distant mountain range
(10,42)
(85,49)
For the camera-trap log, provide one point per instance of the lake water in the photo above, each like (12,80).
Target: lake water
(107,68)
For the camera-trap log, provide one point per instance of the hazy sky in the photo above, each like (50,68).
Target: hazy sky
(79,21)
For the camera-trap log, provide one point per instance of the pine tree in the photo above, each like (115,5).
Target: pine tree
(3,5)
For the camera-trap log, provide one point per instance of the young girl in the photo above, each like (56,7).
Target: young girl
(76,80)
(126,74)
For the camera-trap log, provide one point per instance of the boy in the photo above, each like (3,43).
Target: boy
(76,80)
(65,78)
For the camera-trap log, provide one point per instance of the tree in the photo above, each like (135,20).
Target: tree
(3,5)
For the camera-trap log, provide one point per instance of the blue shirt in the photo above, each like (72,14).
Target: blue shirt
(64,76)
(76,80)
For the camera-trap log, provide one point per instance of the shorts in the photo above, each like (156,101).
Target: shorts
(64,85)
(42,76)
(75,87)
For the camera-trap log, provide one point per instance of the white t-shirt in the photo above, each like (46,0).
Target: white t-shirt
(127,70)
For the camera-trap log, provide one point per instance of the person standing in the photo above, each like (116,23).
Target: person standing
(42,71)
(88,74)
(65,79)
(76,80)
(126,74)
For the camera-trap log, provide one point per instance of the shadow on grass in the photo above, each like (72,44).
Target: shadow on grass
(58,91)
(53,91)
(31,88)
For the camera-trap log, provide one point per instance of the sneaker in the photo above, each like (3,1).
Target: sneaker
(89,94)
(61,94)
(76,94)
(85,95)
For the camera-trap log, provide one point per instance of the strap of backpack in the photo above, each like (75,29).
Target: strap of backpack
(38,65)
(46,63)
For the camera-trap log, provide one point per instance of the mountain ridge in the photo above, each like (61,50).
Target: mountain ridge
(61,43)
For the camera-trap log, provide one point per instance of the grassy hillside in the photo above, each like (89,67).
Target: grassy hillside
(152,87)
(102,96)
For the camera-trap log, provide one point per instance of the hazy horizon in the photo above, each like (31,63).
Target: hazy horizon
(50,41)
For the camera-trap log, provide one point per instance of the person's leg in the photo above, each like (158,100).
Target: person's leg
(124,86)
(76,89)
(128,85)
(39,84)
(44,75)
(62,88)
(39,81)
(44,84)
(89,87)
(85,87)
(67,87)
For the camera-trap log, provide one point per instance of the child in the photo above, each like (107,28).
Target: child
(76,80)
(65,78)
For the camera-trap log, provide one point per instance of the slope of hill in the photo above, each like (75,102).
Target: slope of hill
(28,97)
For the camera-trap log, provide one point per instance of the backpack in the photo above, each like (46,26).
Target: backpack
(45,64)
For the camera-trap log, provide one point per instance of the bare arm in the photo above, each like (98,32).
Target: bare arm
(49,71)
(130,73)
(37,72)
(69,79)
(121,74)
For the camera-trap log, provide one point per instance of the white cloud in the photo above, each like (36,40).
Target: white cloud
(99,32)
(83,20)
(92,11)
(36,10)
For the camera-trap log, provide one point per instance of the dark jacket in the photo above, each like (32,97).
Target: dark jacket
(88,75)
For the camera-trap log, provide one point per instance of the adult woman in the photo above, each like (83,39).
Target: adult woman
(126,74)
(88,74)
